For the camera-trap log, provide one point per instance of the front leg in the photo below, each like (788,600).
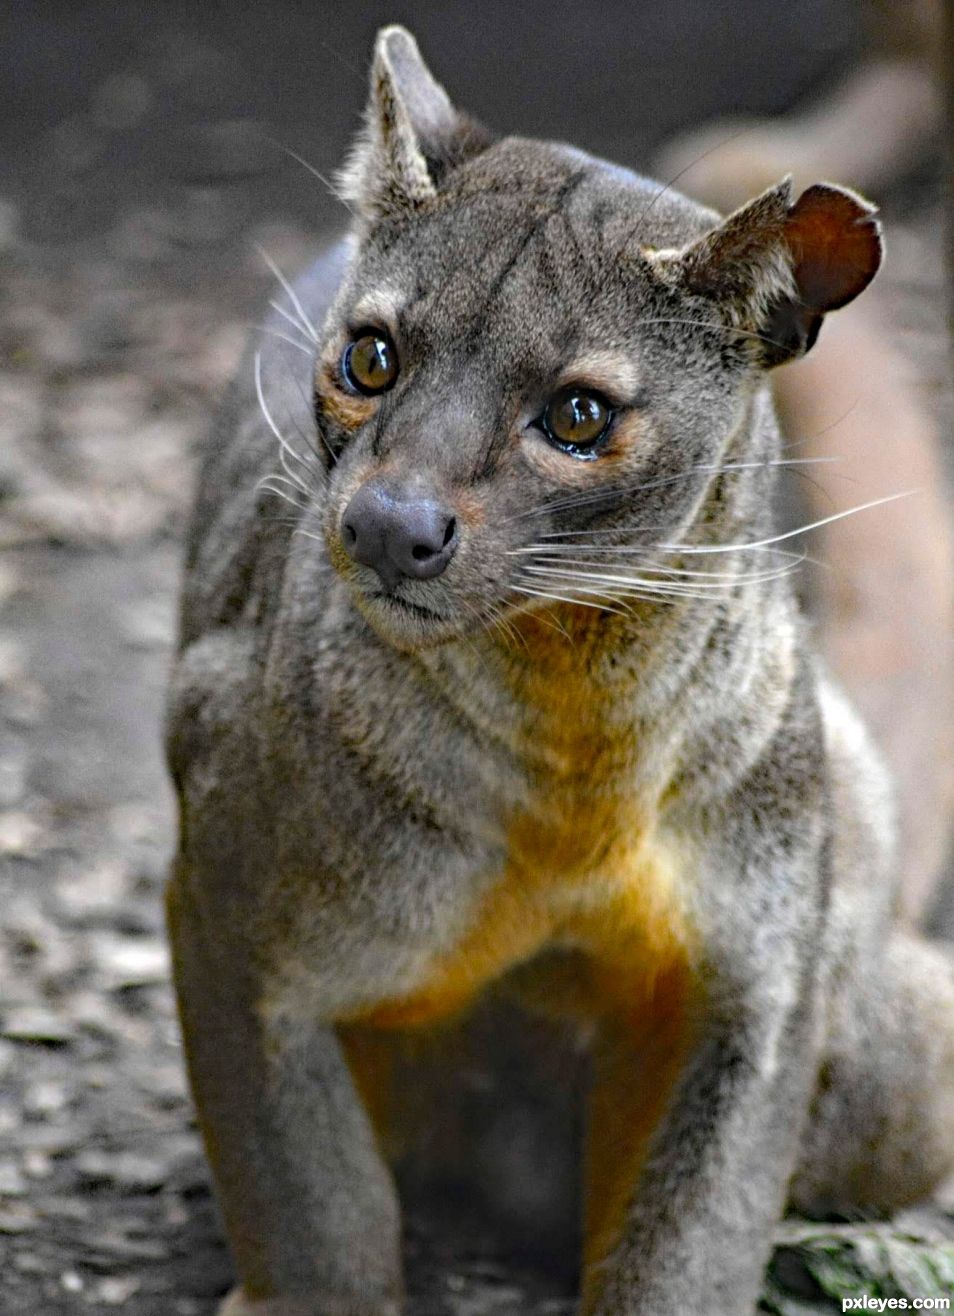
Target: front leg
(310,1208)
(695,1234)
(700,1096)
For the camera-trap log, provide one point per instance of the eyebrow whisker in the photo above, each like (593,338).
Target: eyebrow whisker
(292,320)
(290,292)
(286,338)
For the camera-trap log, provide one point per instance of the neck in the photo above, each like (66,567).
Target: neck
(561,687)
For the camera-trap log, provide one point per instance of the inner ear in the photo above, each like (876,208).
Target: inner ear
(835,241)
(835,245)
(778,268)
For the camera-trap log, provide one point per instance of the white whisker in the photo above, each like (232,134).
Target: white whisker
(558,555)
(556,549)
(611,492)
(284,446)
(617,594)
(591,535)
(290,292)
(554,624)
(286,338)
(789,534)
(279,479)
(773,573)
(327,182)
(674,577)
(599,495)
(320,432)
(592,583)
(634,586)
(564,598)
(292,320)
(490,616)
(269,485)
(816,434)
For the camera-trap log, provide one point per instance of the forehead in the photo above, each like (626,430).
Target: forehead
(543,240)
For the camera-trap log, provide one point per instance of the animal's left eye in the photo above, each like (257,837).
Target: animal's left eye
(576,419)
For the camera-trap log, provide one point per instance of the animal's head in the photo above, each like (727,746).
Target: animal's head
(538,362)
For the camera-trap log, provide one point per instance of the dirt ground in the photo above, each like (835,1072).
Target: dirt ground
(143,175)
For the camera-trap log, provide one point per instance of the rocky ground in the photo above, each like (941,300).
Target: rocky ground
(126,293)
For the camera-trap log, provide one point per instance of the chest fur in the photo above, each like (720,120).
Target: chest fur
(587,863)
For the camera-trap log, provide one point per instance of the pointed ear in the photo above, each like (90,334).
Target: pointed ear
(412,135)
(779,267)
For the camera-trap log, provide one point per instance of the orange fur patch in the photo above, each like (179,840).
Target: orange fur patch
(348,409)
(349,412)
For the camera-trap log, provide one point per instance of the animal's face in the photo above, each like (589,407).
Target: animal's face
(535,365)
(508,375)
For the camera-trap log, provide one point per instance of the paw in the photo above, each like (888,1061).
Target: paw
(237,1304)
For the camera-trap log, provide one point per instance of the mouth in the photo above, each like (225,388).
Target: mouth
(406,607)
(406,625)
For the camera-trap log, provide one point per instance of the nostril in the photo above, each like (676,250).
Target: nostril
(424,552)
(350,534)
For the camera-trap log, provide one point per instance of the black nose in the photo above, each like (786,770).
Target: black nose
(398,534)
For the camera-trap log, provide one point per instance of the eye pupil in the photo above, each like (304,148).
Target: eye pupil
(369,363)
(576,419)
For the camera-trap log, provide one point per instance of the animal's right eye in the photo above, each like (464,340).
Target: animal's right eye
(369,363)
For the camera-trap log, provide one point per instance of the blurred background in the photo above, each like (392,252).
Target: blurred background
(142,171)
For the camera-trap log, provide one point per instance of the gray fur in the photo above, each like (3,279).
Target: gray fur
(348,770)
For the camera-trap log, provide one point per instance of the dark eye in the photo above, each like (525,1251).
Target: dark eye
(369,362)
(576,419)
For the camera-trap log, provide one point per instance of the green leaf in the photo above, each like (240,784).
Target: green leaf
(815,1266)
